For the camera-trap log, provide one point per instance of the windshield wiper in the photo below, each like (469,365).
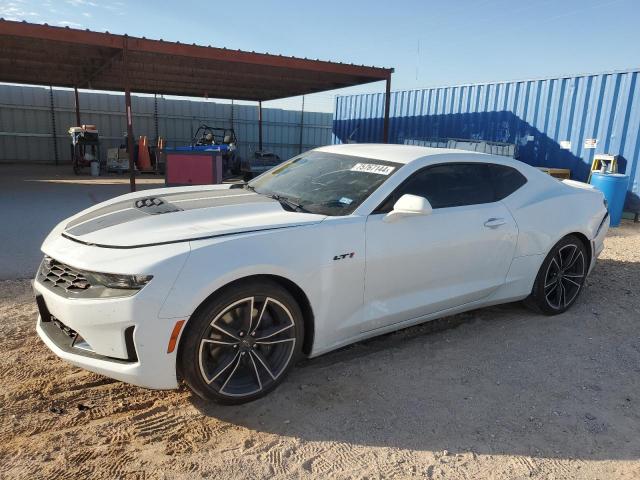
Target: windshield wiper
(291,204)
(250,187)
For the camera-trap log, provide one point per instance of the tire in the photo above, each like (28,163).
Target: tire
(229,358)
(560,278)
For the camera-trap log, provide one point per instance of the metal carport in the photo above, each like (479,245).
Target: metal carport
(64,57)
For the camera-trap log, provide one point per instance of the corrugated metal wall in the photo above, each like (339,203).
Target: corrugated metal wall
(550,120)
(26,123)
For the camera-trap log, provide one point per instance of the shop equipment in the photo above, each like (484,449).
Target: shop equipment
(117,160)
(260,163)
(85,147)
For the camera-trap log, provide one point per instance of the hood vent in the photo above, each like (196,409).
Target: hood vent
(155,206)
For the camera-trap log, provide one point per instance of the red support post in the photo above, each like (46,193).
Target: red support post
(132,172)
(127,102)
(77,104)
(260,126)
(387,108)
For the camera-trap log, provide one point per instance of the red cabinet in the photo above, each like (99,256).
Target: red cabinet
(192,168)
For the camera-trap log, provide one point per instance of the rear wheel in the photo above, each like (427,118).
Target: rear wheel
(241,344)
(561,277)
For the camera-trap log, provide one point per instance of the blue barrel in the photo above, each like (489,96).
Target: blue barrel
(614,188)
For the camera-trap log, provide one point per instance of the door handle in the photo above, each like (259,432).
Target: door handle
(494,222)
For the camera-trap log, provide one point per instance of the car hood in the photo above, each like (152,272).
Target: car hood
(180,214)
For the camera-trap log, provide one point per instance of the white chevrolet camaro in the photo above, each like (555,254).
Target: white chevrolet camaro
(225,286)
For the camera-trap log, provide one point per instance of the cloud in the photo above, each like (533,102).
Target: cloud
(82,3)
(65,23)
(16,11)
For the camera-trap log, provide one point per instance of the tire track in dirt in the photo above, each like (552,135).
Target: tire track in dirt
(122,463)
(339,458)
(157,424)
(193,434)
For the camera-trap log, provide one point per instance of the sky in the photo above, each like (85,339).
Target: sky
(428,42)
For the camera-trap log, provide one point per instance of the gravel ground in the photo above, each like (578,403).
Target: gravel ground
(495,393)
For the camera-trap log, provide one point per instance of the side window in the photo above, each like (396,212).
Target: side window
(447,185)
(506,180)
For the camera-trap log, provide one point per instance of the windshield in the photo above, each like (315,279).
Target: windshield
(324,183)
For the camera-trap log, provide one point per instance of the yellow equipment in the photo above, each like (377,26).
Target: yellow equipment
(602,160)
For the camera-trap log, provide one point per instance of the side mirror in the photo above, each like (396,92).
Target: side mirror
(408,206)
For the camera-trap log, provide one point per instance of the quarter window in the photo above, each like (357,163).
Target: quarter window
(506,180)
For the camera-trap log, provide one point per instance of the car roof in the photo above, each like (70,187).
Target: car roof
(398,153)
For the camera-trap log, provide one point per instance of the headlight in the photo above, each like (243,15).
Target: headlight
(113,280)
(72,282)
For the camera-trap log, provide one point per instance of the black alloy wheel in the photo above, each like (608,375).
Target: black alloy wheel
(561,277)
(241,346)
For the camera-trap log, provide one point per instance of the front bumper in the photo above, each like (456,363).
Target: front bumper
(144,362)
(125,338)
(70,341)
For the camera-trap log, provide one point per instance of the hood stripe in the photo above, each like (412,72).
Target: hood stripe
(170,197)
(109,217)
(168,242)
(119,210)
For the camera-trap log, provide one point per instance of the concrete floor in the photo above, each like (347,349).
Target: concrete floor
(34,198)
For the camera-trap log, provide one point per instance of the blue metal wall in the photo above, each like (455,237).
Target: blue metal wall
(536,115)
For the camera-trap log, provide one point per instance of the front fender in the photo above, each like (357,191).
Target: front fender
(304,255)
(214,263)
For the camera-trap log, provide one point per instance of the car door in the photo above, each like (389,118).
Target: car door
(458,254)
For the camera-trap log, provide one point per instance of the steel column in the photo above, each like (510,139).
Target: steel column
(260,126)
(127,102)
(54,134)
(77,103)
(301,125)
(387,107)
(155,119)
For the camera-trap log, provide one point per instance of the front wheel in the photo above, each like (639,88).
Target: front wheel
(241,344)
(560,278)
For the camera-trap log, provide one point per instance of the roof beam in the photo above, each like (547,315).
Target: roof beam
(86,37)
(45,55)
(108,62)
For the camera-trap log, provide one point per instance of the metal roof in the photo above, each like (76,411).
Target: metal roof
(61,56)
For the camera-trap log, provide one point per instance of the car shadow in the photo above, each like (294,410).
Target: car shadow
(499,380)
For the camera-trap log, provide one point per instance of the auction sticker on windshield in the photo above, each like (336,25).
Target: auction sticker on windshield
(372,168)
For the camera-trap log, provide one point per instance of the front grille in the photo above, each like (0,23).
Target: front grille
(58,275)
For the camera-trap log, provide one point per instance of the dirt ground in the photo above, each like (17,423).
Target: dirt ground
(495,393)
